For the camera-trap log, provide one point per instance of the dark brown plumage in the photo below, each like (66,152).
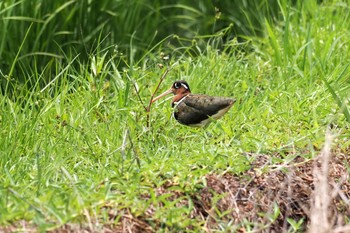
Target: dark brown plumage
(195,110)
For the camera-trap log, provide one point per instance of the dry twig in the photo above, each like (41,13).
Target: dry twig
(321,199)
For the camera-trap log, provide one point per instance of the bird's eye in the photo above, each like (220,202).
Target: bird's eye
(177,85)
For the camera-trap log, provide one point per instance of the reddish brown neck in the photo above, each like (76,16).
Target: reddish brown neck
(179,96)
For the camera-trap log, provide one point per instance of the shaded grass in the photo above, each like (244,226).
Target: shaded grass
(67,28)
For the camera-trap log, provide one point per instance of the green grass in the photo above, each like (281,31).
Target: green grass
(76,142)
(65,29)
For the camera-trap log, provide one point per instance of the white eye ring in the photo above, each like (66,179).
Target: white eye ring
(177,85)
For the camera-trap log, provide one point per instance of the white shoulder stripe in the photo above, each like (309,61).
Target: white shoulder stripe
(177,103)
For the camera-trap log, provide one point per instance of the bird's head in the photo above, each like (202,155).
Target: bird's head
(179,89)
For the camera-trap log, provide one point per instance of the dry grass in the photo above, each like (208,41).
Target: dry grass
(321,212)
(323,216)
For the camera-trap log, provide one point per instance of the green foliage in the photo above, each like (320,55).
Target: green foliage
(54,32)
(296,226)
(73,129)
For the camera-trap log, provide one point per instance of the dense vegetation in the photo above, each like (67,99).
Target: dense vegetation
(76,76)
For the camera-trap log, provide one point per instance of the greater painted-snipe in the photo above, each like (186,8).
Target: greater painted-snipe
(193,109)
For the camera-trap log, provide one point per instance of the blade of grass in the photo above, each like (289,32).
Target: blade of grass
(274,43)
(341,104)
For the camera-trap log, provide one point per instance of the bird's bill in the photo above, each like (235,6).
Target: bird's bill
(162,95)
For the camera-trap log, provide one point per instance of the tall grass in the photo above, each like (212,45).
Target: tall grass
(62,30)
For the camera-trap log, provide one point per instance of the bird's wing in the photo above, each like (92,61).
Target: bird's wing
(208,105)
(196,108)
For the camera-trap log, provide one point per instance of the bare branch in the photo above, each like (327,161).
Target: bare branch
(148,109)
(155,91)
(137,92)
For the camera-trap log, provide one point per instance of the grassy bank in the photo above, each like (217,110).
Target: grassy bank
(75,147)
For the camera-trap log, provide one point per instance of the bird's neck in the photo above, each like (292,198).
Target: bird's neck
(180,95)
(178,98)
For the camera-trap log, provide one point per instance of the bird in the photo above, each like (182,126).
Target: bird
(195,110)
